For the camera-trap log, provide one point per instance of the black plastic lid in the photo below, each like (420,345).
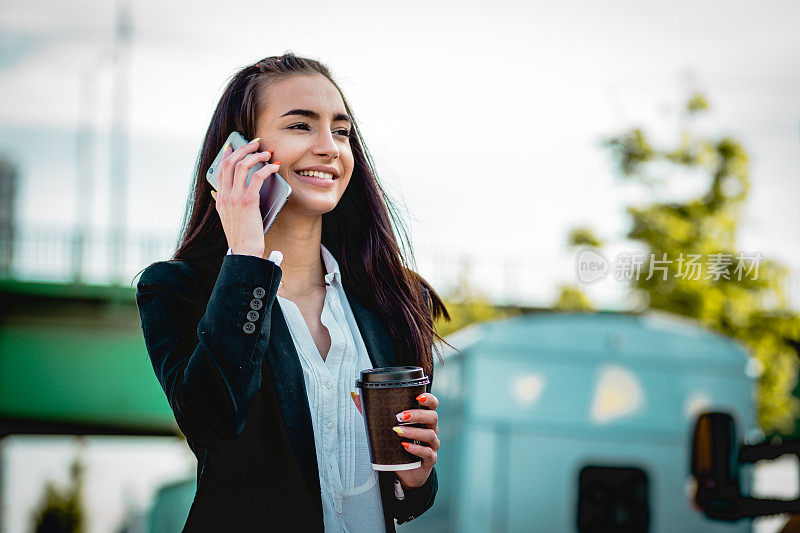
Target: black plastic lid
(392,376)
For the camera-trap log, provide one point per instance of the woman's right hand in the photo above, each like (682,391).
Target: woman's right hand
(237,205)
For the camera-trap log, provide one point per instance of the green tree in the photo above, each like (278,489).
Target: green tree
(61,510)
(583,237)
(703,275)
(572,298)
(467,305)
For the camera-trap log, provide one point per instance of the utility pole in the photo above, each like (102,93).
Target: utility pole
(118,206)
(8,186)
(85,167)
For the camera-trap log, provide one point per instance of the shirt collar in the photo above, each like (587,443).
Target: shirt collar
(331,266)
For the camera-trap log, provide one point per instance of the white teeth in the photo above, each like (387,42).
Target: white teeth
(316,174)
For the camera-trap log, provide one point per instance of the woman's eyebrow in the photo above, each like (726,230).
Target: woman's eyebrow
(314,115)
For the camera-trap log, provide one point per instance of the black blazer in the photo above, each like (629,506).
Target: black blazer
(236,388)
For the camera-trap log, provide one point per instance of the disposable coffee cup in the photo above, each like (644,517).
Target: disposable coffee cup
(385,392)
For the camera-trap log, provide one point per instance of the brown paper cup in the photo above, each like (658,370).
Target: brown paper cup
(385,392)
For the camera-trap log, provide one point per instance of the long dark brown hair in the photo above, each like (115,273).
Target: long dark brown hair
(359,232)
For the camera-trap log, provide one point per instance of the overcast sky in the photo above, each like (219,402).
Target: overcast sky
(485,119)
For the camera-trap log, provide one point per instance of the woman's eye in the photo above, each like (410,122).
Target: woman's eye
(305,127)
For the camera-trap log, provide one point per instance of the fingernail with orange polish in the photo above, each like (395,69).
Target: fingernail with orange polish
(421,398)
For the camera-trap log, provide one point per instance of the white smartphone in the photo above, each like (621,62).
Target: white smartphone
(274,191)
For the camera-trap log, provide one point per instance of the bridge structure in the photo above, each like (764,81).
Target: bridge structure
(73,361)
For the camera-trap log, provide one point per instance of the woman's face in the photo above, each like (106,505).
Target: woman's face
(305,123)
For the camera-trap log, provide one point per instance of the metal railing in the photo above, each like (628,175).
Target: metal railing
(64,254)
(46,253)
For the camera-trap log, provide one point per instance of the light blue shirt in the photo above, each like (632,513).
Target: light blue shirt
(351,499)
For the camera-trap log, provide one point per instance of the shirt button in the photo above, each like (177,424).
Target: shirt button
(330,424)
(249,327)
(259,292)
(329,384)
(252,316)
(338,507)
(256,304)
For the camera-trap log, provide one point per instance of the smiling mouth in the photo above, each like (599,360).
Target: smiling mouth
(317,174)
(310,178)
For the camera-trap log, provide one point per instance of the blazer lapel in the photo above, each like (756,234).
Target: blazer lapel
(376,338)
(290,388)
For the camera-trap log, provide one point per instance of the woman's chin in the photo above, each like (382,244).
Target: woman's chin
(316,204)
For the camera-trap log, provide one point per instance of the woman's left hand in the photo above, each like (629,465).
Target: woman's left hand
(427,436)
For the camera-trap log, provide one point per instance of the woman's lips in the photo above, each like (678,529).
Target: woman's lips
(313,180)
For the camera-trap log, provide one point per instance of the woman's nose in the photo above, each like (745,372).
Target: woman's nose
(326,145)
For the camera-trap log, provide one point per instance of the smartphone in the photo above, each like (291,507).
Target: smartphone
(274,191)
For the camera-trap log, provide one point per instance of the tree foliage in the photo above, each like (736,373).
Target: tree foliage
(467,305)
(583,237)
(752,308)
(61,510)
(572,298)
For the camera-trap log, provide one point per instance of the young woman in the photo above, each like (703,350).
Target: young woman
(258,358)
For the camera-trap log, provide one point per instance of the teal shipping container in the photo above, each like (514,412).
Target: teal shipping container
(575,421)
